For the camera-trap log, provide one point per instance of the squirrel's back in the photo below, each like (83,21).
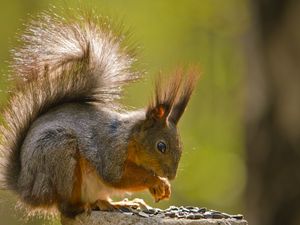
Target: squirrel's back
(62,60)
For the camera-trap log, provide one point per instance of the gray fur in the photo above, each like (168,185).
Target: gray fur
(69,74)
(49,149)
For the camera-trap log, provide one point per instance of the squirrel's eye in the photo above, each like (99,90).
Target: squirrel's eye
(161,146)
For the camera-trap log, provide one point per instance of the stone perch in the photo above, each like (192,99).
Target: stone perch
(171,216)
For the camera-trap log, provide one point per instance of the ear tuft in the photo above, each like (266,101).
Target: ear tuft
(172,95)
(165,96)
(184,94)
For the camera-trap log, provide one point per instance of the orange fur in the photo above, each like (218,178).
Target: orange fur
(135,177)
(76,192)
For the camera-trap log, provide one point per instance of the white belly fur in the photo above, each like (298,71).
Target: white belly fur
(93,188)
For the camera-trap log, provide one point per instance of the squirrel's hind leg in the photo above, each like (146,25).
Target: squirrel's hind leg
(50,173)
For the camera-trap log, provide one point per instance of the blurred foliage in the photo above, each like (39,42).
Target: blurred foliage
(171,33)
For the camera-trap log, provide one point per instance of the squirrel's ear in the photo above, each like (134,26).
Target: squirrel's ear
(184,95)
(165,95)
(159,112)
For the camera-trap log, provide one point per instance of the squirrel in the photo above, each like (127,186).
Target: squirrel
(66,141)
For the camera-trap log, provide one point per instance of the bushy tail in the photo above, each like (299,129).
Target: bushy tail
(62,60)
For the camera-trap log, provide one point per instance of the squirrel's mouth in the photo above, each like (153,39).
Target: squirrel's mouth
(169,177)
(164,175)
(161,174)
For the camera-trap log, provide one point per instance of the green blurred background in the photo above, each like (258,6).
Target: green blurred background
(169,33)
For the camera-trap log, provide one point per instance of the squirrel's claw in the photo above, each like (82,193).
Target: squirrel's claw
(126,204)
(161,190)
(142,204)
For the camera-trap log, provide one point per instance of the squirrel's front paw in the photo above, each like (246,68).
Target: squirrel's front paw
(161,190)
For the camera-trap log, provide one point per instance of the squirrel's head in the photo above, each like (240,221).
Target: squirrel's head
(156,141)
